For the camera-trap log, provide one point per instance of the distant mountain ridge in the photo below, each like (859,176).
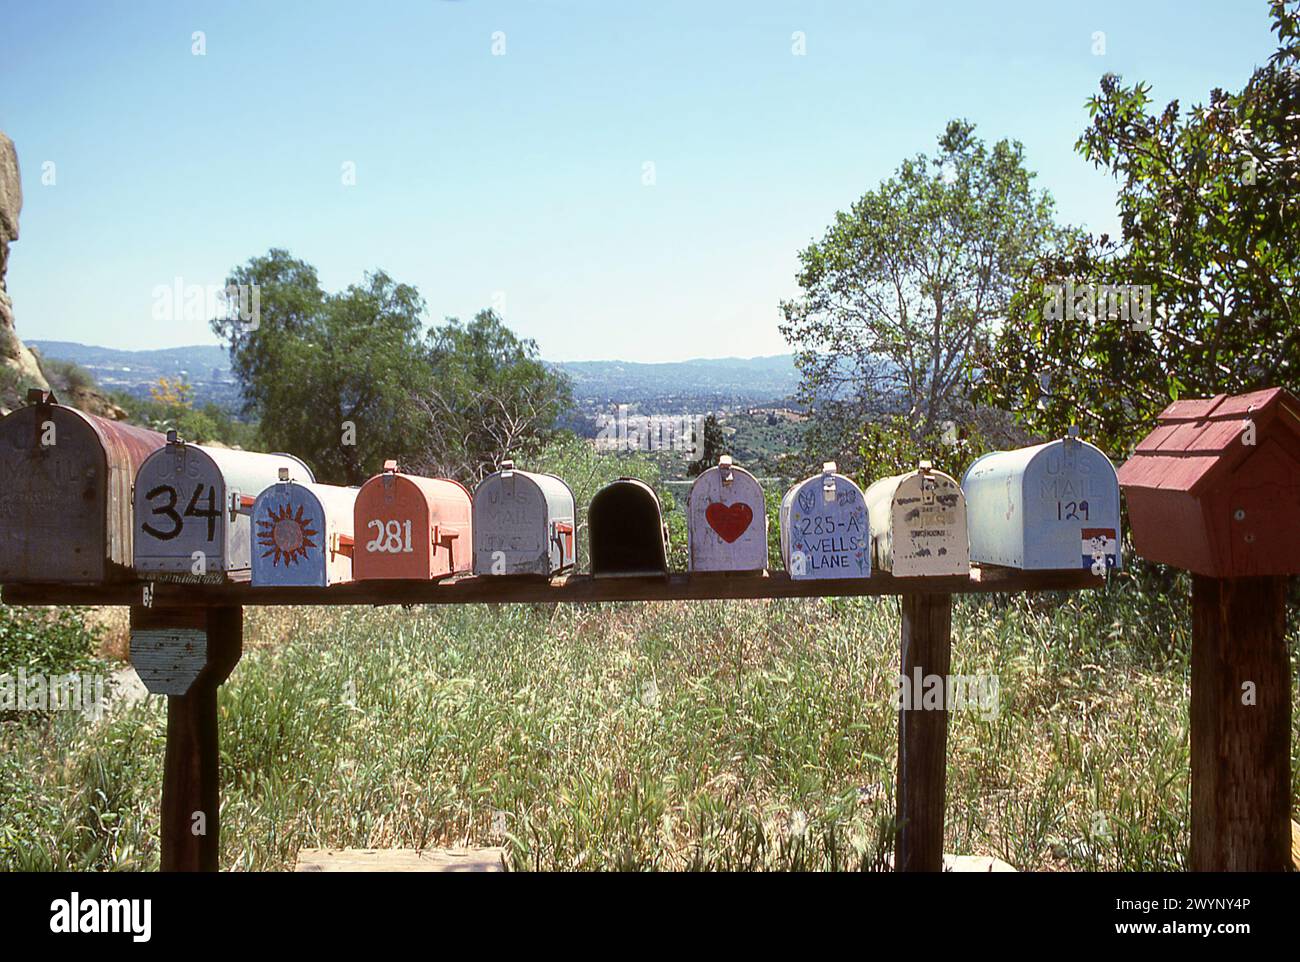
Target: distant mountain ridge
(667,386)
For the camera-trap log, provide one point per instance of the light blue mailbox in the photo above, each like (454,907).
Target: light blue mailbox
(302,534)
(825,529)
(1050,507)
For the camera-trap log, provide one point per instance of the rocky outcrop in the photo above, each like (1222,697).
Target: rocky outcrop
(19,369)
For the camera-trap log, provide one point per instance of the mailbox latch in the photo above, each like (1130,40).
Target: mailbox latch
(927,483)
(390,472)
(829,469)
(724,467)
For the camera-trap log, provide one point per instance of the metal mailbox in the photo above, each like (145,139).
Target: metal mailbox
(825,528)
(1053,506)
(65,493)
(918,524)
(192,507)
(1215,488)
(523,524)
(302,534)
(411,527)
(726,523)
(627,531)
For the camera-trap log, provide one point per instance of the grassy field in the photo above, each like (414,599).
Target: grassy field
(656,736)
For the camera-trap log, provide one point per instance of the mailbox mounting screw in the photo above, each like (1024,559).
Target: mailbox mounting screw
(1239,514)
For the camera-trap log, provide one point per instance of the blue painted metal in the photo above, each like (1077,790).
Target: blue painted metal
(825,528)
(302,534)
(1049,507)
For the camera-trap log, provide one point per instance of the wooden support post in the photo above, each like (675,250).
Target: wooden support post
(187,654)
(923,735)
(1241,726)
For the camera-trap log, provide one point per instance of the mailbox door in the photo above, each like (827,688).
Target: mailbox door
(392,524)
(290,537)
(181,515)
(53,498)
(512,527)
(562,510)
(927,521)
(626,527)
(1071,508)
(727,523)
(825,533)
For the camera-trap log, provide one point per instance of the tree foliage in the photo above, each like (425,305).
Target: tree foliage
(1208,203)
(907,283)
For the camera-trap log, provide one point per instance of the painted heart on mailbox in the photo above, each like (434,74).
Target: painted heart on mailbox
(729,520)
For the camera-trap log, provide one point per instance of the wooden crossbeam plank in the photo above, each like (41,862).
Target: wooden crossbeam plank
(569,588)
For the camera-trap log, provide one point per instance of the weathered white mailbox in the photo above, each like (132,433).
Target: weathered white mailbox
(918,524)
(825,528)
(726,525)
(524,524)
(65,493)
(192,507)
(1051,506)
(627,532)
(302,533)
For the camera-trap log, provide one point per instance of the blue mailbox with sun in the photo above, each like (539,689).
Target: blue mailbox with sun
(302,534)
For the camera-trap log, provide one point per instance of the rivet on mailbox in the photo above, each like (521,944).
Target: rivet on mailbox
(918,524)
(1052,506)
(411,527)
(627,532)
(825,529)
(524,524)
(302,533)
(192,507)
(726,520)
(65,493)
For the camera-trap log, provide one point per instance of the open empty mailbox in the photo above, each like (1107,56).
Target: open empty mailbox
(524,524)
(411,527)
(192,508)
(1053,506)
(918,524)
(825,529)
(626,529)
(726,520)
(65,493)
(302,534)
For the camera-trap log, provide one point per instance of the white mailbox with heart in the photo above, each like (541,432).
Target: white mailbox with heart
(726,520)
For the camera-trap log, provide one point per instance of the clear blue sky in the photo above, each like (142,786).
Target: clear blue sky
(481,175)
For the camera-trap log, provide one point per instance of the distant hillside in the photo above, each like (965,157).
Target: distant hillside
(697,385)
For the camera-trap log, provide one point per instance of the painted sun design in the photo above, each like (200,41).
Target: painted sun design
(286,535)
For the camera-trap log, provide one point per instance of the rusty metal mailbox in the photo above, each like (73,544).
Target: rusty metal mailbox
(726,524)
(825,528)
(411,527)
(192,507)
(1053,506)
(1215,488)
(918,524)
(302,534)
(65,493)
(524,524)
(627,531)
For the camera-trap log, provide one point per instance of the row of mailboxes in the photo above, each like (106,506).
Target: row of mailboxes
(68,514)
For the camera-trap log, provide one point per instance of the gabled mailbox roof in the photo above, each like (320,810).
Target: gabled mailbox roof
(1196,441)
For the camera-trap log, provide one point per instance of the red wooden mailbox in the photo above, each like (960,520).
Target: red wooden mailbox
(1215,488)
(411,527)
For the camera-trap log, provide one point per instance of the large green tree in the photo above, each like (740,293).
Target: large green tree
(330,377)
(1209,204)
(489,397)
(907,284)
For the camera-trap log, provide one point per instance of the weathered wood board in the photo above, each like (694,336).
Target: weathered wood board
(401,860)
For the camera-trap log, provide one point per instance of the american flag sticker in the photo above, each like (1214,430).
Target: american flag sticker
(1099,541)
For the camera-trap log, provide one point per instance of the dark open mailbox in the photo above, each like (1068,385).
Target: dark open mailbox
(628,535)
(65,493)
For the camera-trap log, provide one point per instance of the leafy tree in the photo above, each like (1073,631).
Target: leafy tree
(331,376)
(713,446)
(489,396)
(1208,204)
(907,283)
